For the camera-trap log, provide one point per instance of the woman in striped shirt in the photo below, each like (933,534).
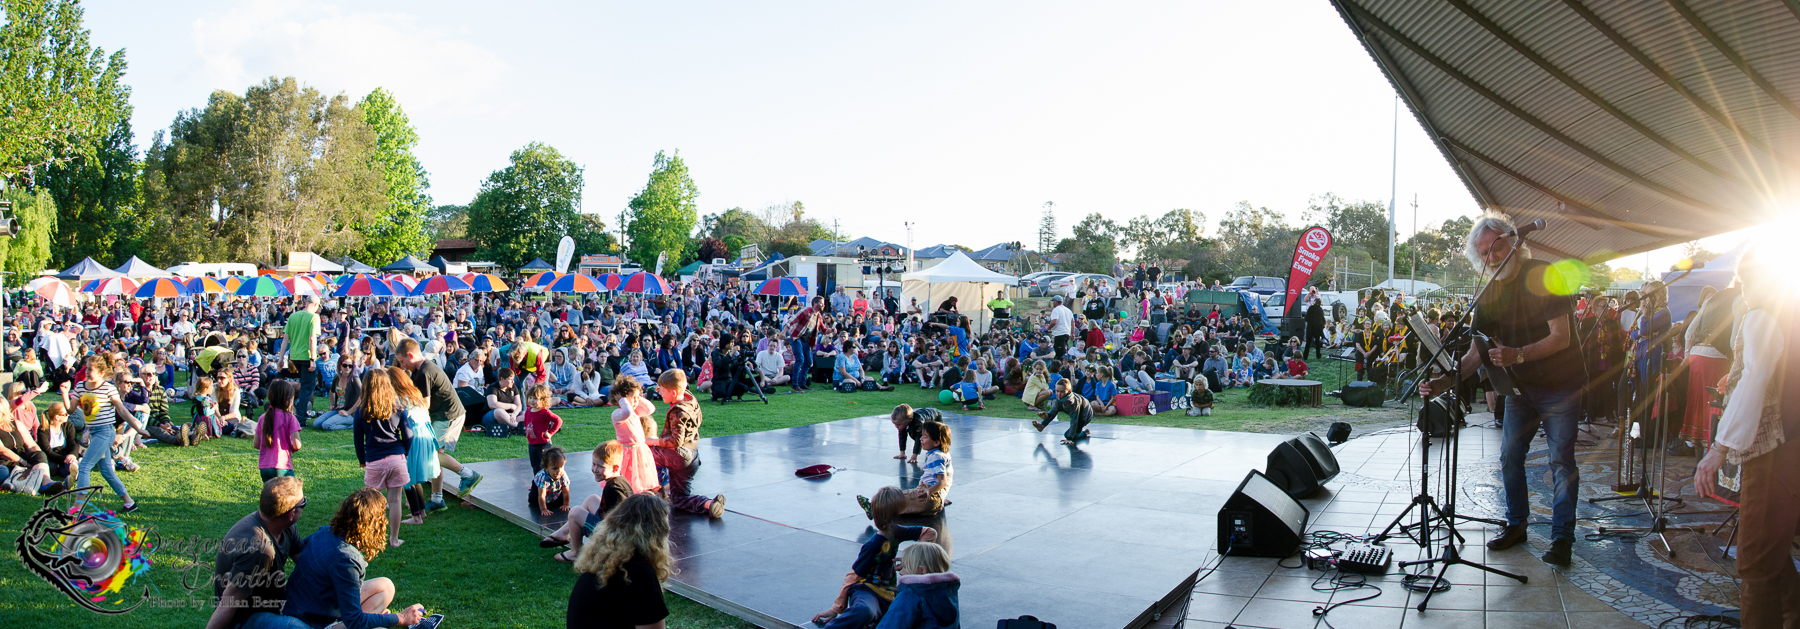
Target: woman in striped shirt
(102,407)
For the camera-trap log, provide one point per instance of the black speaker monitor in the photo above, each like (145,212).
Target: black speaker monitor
(1363,393)
(1261,520)
(1301,465)
(1323,460)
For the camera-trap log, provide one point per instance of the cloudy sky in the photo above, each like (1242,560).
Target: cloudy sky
(960,118)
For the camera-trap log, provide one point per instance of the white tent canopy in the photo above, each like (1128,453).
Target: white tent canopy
(139,268)
(959,277)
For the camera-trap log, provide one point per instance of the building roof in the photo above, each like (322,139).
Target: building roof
(827,247)
(1626,125)
(452,244)
(999,253)
(935,251)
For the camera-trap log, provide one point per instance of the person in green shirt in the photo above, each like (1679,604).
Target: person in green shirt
(303,346)
(1001,306)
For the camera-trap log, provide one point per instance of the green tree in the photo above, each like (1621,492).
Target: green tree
(1047,227)
(25,254)
(97,201)
(663,213)
(1248,234)
(523,210)
(400,228)
(61,95)
(1359,224)
(735,222)
(249,178)
(1095,247)
(445,222)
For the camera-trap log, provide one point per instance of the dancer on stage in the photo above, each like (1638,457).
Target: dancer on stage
(1529,325)
(1078,409)
(676,449)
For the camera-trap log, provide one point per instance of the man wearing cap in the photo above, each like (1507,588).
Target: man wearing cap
(1062,322)
(302,332)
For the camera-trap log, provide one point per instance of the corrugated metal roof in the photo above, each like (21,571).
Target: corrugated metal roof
(1629,125)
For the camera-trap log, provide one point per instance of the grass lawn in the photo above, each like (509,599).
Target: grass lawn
(479,570)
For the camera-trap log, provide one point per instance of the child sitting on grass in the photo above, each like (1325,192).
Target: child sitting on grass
(968,392)
(277,434)
(869,588)
(550,487)
(540,425)
(926,598)
(206,408)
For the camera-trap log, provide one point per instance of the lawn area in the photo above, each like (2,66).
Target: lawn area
(479,570)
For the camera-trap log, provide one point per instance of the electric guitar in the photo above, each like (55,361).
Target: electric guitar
(1501,378)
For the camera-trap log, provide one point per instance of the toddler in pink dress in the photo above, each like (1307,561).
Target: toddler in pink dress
(632,420)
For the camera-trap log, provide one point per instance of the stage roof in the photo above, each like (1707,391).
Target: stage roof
(1629,125)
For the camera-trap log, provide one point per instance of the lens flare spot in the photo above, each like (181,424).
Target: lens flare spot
(1565,277)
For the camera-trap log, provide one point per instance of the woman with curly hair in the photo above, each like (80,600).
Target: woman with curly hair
(327,583)
(622,568)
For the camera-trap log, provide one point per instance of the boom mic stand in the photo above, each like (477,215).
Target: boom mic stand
(1445,514)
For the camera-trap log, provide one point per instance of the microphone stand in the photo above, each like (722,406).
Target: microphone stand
(1445,514)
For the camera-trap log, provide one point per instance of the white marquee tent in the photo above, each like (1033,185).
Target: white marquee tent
(959,277)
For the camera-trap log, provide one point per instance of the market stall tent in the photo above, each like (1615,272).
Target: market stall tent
(136,268)
(88,269)
(959,277)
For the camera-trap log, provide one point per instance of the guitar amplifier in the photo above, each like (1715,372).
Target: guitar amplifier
(1365,559)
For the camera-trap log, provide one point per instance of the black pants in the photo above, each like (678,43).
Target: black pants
(536,451)
(1315,347)
(1062,345)
(681,464)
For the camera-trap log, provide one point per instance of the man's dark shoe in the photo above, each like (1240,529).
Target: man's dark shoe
(1508,538)
(1559,552)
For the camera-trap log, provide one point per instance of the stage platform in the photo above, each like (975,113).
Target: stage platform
(1106,533)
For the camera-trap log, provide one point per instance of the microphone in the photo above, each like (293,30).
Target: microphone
(1527,228)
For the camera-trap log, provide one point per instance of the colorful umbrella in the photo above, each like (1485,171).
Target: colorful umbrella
(364,286)
(575,283)
(232,283)
(111,286)
(542,280)
(204,284)
(53,290)
(484,282)
(610,280)
(262,286)
(301,285)
(440,284)
(782,287)
(161,287)
(397,280)
(647,283)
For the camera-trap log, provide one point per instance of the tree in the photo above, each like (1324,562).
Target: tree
(735,222)
(734,245)
(445,222)
(1242,236)
(1693,251)
(1095,248)
(281,168)
(62,96)
(1359,224)
(663,213)
(1047,227)
(25,254)
(1627,274)
(710,248)
(399,229)
(97,201)
(523,210)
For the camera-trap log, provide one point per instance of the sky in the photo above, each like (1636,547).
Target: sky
(960,119)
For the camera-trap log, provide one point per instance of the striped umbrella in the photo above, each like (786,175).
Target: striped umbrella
(161,287)
(301,285)
(646,283)
(234,282)
(610,280)
(484,282)
(398,280)
(262,286)
(53,290)
(111,286)
(203,284)
(541,281)
(361,285)
(782,287)
(440,284)
(575,283)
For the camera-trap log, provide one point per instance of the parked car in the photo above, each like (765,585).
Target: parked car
(1060,285)
(1259,284)
(1038,284)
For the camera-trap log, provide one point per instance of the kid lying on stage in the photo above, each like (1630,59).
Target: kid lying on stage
(910,423)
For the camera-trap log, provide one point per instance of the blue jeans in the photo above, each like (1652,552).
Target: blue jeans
(803,361)
(1558,412)
(99,452)
(269,620)
(864,609)
(309,379)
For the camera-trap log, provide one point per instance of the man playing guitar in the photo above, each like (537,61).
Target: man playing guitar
(1529,325)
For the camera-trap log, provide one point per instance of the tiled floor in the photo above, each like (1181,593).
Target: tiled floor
(1380,475)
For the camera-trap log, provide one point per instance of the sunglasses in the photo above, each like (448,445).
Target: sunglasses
(298,507)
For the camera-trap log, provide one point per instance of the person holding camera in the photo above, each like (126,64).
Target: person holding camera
(731,371)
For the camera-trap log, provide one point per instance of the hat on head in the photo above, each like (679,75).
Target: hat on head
(1056,298)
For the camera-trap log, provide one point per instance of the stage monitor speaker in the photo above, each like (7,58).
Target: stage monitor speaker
(1260,520)
(1300,466)
(1364,394)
